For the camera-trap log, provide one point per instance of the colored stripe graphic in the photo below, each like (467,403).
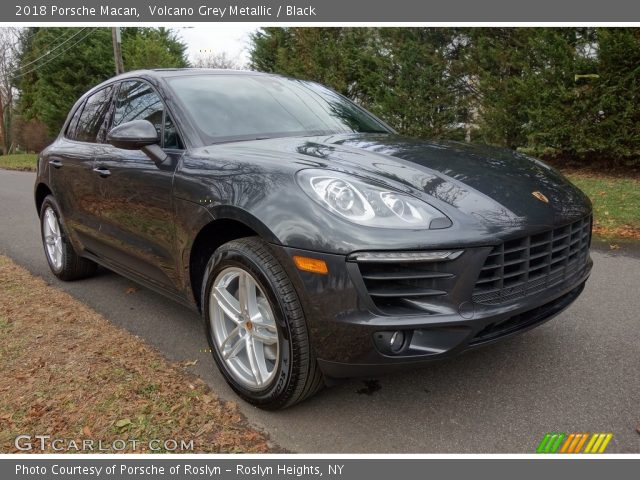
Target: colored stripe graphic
(596,446)
(542,448)
(594,437)
(567,442)
(556,445)
(574,442)
(572,448)
(550,443)
(581,443)
(598,443)
(606,441)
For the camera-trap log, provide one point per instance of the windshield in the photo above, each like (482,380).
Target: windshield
(241,107)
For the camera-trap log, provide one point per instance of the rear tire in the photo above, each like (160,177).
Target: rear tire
(63,260)
(281,373)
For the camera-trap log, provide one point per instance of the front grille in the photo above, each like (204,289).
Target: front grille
(398,288)
(525,266)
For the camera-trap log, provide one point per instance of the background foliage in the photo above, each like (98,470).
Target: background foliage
(50,86)
(569,93)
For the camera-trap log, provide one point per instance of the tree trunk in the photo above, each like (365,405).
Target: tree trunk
(3,130)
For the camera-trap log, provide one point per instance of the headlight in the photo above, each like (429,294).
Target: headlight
(367,204)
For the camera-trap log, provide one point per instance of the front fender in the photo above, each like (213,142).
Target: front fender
(264,195)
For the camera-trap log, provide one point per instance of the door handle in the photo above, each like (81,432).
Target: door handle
(102,171)
(56,163)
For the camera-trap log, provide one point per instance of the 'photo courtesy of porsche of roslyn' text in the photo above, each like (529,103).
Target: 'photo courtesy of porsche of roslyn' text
(277,240)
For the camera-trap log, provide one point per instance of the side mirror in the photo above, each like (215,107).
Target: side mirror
(133,135)
(138,135)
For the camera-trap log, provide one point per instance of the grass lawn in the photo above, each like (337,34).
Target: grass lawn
(616,204)
(616,200)
(19,161)
(67,372)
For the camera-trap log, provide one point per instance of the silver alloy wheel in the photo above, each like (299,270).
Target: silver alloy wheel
(52,235)
(244,328)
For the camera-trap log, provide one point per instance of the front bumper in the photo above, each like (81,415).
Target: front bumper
(351,332)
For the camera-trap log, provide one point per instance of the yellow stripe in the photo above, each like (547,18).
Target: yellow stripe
(567,442)
(598,442)
(607,439)
(573,444)
(591,442)
(584,439)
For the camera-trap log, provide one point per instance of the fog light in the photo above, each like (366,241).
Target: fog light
(392,342)
(397,341)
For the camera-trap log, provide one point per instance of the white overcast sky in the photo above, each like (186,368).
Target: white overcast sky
(229,38)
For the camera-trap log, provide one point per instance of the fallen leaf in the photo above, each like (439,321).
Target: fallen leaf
(614,246)
(189,363)
(123,423)
(131,290)
(86,431)
(209,426)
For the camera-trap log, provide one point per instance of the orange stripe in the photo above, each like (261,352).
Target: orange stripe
(584,439)
(573,444)
(567,442)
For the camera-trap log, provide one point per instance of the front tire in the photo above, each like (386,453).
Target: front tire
(256,327)
(63,260)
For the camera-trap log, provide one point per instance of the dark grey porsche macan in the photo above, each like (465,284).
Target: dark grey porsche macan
(315,241)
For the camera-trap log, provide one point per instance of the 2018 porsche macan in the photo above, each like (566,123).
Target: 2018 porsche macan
(314,240)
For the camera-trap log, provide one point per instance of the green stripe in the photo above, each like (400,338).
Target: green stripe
(550,443)
(555,448)
(543,443)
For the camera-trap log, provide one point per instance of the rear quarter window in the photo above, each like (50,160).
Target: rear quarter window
(70,133)
(91,125)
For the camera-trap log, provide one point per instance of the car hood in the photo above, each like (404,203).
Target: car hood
(495,186)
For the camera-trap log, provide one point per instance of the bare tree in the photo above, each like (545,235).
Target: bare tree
(218,60)
(8,60)
(29,135)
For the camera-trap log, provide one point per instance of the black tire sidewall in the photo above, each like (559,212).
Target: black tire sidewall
(229,257)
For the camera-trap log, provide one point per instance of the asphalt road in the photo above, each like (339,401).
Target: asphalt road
(578,373)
